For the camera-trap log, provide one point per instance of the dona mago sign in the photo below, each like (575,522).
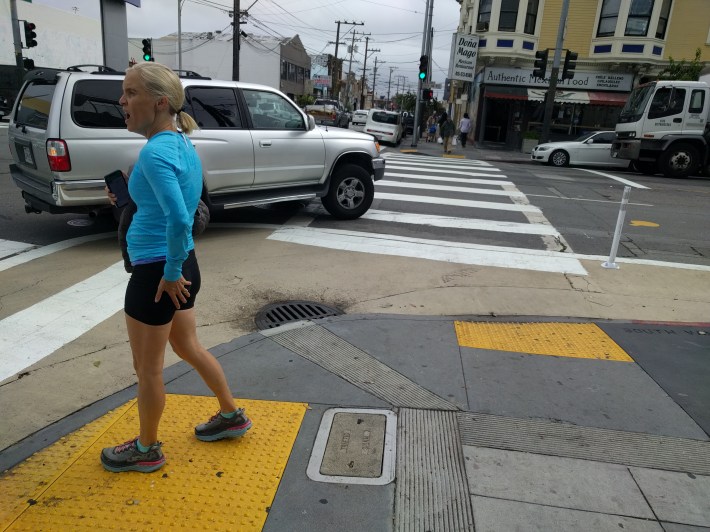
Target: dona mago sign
(464,51)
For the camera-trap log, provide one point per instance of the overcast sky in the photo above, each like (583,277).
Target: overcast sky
(395,27)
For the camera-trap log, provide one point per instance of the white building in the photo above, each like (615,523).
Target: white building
(78,42)
(279,63)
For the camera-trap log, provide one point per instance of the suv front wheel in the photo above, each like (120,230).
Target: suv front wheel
(350,194)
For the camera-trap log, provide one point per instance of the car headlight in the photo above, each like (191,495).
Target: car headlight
(542,148)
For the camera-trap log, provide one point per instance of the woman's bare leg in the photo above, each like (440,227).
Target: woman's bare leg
(183,339)
(148,346)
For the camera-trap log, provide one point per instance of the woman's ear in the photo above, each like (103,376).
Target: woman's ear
(163,102)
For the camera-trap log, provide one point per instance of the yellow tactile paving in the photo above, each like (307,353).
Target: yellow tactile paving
(224,485)
(576,340)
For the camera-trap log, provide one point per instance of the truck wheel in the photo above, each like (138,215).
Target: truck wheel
(350,194)
(680,160)
(645,167)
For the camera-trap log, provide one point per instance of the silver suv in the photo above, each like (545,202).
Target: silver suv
(67,131)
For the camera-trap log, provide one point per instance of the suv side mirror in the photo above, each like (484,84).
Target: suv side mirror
(311,123)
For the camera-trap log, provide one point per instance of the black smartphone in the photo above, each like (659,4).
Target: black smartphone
(118,186)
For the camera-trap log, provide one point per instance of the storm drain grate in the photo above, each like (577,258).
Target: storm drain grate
(277,314)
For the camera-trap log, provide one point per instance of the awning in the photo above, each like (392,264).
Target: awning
(507,93)
(561,96)
(608,98)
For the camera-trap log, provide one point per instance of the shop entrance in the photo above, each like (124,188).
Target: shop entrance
(497,113)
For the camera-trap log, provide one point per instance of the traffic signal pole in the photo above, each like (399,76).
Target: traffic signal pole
(20,70)
(425,46)
(550,97)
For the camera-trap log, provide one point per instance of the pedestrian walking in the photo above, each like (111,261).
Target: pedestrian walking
(165,184)
(447,131)
(464,128)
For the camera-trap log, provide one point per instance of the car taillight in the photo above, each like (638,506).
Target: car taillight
(58,155)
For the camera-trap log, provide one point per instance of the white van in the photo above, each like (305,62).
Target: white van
(385,126)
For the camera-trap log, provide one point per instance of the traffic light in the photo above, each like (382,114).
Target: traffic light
(148,50)
(29,64)
(570,64)
(540,66)
(423,67)
(30,35)
(427,94)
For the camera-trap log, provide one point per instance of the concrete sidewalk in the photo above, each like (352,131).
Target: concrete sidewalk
(482,151)
(405,423)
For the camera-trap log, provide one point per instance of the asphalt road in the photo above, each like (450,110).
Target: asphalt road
(666,219)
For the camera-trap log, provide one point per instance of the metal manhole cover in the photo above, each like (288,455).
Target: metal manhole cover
(277,314)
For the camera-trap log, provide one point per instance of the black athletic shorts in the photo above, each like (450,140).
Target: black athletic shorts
(140,295)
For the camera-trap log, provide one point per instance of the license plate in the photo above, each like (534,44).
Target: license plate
(28,155)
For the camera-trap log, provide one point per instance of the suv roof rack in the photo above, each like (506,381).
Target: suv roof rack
(48,75)
(189,74)
(100,69)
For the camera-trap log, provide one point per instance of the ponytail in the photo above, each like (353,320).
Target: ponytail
(185,122)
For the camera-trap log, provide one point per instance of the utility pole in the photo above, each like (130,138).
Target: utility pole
(337,74)
(235,41)
(389,86)
(350,70)
(425,47)
(20,70)
(550,97)
(180,4)
(364,66)
(374,81)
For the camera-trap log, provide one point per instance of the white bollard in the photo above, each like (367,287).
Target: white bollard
(617,232)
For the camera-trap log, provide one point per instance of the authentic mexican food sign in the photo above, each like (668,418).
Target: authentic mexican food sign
(464,51)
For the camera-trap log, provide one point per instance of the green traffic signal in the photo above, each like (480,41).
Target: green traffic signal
(147,49)
(423,67)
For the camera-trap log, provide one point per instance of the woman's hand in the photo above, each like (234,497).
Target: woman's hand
(177,290)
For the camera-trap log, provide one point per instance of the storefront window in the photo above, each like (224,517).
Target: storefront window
(608,18)
(663,19)
(484,11)
(531,16)
(508,15)
(639,18)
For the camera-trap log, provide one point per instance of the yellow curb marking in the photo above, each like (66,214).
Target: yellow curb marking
(408,151)
(641,223)
(575,340)
(450,156)
(223,485)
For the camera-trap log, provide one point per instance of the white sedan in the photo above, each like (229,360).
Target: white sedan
(590,149)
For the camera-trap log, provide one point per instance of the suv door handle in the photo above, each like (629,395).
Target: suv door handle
(264,143)
(677,120)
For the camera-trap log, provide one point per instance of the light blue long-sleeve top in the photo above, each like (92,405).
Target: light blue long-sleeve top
(165,184)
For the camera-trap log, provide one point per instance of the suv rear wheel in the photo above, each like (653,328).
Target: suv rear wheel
(350,194)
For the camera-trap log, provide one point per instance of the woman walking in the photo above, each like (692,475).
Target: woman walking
(165,184)
(464,128)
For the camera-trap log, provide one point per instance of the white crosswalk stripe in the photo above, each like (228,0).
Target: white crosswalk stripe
(460,223)
(444,171)
(407,199)
(457,202)
(429,177)
(445,188)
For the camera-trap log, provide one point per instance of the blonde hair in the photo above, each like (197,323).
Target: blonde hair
(160,81)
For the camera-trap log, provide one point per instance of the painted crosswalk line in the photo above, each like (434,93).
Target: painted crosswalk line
(438,250)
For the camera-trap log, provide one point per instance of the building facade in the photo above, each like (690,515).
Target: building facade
(620,43)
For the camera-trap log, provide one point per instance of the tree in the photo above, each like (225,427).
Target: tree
(305,99)
(406,102)
(684,71)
